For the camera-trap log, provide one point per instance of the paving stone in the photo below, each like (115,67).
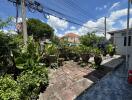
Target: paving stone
(70,80)
(113,86)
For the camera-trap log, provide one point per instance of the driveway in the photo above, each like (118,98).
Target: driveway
(113,86)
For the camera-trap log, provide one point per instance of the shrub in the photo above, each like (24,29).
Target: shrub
(97,57)
(9,89)
(110,49)
(51,49)
(29,84)
(31,81)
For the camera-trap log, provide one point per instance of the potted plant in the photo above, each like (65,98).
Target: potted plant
(63,52)
(85,53)
(76,55)
(51,52)
(111,50)
(97,57)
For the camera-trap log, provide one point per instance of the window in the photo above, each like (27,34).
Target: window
(125,41)
(129,41)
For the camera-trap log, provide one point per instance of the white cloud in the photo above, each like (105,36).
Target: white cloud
(72,28)
(98,25)
(124,23)
(59,35)
(119,13)
(115,5)
(101,8)
(93,26)
(18,20)
(72,31)
(8,31)
(57,23)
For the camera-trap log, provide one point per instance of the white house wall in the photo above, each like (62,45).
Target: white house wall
(121,49)
(119,42)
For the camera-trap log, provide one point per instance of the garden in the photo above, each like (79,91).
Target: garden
(24,69)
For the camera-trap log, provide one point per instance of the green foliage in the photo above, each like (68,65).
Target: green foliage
(9,89)
(39,29)
(90,39)
(55,40)
(28,84)
(51,49)
(5,23)
(110,48)
(96,51)
(28,56)
(84,49)
(30,81)
(33,76)
(7,46)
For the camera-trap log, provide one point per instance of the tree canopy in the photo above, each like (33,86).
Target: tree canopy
(90,39)
(5,23)
(39,29)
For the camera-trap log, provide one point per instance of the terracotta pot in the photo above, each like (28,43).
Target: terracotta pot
(111,54)
(52,58)
(97,60)
(85,57)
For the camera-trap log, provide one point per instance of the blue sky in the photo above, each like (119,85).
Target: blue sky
(90,13)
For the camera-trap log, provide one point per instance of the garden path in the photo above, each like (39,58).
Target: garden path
(113,86)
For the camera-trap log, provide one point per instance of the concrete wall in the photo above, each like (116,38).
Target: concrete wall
(121,49)
(119,42)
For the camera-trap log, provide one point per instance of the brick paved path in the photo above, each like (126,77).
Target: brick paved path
(67,82)
(113,86)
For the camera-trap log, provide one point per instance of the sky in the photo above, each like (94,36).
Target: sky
(88,13)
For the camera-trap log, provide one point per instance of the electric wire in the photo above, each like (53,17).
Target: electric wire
(55,13)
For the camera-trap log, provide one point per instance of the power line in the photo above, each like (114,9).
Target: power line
(67,19)
(73,3)
(74,8)
(36,6)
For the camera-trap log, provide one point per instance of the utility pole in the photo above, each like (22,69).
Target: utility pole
(127,32)
(128,56)
(16,11)
(105,27)
(24,25)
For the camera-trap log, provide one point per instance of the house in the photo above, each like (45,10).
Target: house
(71,38)
(118,38)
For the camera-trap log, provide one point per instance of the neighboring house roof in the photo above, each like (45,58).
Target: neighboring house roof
(120,31)
(71,35)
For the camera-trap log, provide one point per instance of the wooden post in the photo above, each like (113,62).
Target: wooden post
(23,14)
(105,27)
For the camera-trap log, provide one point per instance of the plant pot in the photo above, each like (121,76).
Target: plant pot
(85,57)
(71,56)
(111,54)
(104,53)
(52,58)
(76,58)
(60,61)
(97,60)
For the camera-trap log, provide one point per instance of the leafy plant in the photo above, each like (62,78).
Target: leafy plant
(32,81)
(9,89)
(51,49)
(97,57)
(110,49)
(39,29)
(90,39)
(28,56)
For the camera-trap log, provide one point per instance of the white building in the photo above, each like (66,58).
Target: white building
(119,39)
